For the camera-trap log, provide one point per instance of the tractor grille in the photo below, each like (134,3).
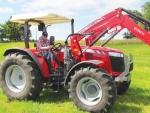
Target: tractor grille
(117,63)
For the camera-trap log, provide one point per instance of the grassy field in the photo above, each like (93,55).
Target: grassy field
(135,100)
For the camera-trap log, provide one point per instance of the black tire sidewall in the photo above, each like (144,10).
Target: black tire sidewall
(123,87)
(101,82)
(15,61)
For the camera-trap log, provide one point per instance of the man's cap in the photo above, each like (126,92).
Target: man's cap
(45,34)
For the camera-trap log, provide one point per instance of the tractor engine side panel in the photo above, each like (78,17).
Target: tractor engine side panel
(95,54)
(114,65)
(103,56)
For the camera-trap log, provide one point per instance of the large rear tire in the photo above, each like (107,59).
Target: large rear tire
(19,77)
(92,90)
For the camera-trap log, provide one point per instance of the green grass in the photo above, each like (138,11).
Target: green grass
(135,100)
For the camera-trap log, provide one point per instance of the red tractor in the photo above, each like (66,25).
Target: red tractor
(95,74)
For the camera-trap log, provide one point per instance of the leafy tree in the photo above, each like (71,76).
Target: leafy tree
(146,13)
(1,30)
(128,35)
(11,30)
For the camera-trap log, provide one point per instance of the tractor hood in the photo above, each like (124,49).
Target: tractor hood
(106,49)
(102,49)
(47,18)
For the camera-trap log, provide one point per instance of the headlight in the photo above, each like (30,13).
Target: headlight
(115,54)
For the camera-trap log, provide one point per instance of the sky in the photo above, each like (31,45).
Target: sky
(82,11)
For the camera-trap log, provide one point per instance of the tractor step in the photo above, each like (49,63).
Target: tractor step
(55,75)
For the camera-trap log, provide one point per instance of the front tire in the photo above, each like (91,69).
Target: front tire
(92,90)
(19,77)
(123,87)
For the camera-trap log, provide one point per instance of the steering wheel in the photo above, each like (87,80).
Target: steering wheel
(56,47)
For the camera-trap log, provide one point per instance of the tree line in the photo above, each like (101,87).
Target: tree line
(14,31)
(11,31)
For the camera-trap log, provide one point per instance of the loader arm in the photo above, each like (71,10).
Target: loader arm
(115,21)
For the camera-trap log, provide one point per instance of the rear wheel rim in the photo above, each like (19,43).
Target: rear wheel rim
(89,91)
(15,78)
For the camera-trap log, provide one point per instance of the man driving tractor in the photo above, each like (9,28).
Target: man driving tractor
(43,45)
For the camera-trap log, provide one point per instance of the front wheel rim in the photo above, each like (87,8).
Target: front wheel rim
(15,78)
(89,91)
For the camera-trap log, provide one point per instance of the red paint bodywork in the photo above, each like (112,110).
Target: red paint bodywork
(42,62)
(100,53)
(115,21)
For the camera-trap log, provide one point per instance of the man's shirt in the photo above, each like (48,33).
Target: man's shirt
(42,43)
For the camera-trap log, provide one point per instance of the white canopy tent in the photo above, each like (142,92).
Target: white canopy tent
(47,18)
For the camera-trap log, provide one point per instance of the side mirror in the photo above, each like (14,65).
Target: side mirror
(52,40)
(41,26)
